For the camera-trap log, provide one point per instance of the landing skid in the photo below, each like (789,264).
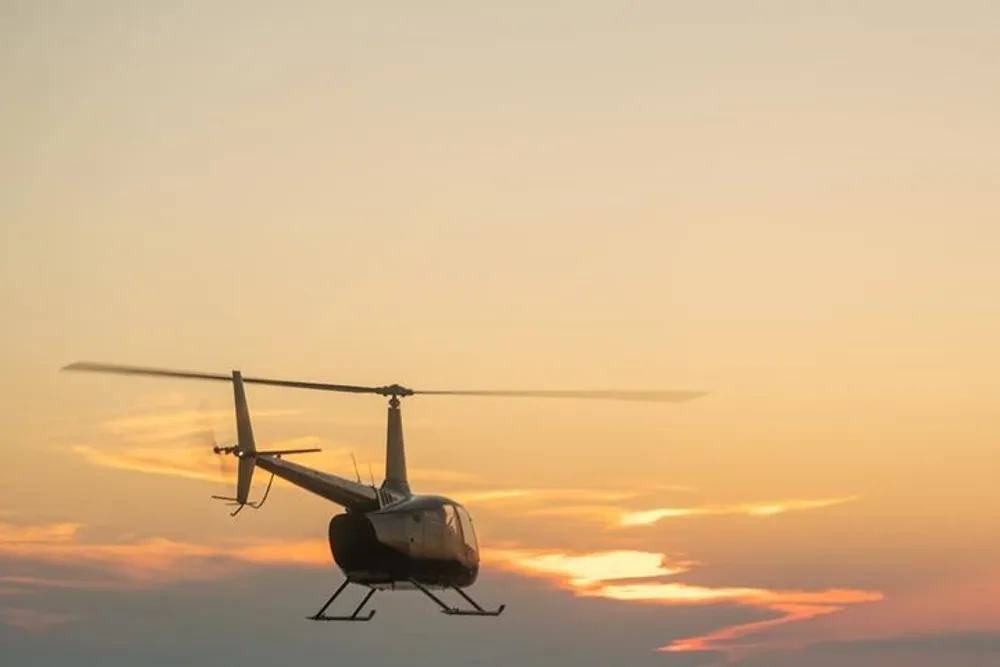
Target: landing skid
(234,502)
(455,611)
(320,616)
(358,616)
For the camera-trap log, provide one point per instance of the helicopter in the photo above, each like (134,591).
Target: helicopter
(387,538)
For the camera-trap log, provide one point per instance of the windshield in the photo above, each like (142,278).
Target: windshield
(468,531)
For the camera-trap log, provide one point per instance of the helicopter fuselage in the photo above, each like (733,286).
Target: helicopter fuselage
(425,539)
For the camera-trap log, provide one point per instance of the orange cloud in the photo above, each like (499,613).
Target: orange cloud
(649,517)
(544,503)
(166,439)
(965,601)
(191,463)
(177,423)
(583,571)
(55,532)
(623,575)
(203,465)
(149,562)
(635,576)
(526,496)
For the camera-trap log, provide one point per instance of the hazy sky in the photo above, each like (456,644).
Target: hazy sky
(791,204)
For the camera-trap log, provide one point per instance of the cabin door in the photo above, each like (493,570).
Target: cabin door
(427,535)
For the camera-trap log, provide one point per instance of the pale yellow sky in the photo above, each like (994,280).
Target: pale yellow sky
(790,204)
(525,197)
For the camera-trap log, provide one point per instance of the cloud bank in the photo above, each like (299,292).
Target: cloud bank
(149,445)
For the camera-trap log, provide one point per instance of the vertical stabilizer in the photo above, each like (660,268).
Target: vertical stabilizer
(395,453)
(245,446)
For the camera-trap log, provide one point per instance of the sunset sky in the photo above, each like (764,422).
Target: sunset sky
(790,205)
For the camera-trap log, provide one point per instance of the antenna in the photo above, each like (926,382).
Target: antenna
(378,492)
(356,473)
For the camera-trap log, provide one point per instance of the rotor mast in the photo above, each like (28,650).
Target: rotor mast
(395,451)
(396,479)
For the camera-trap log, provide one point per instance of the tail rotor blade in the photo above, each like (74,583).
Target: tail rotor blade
(226,466)
(206,430)
(208,444)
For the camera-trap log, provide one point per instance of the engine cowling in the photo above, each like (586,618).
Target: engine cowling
(353,542)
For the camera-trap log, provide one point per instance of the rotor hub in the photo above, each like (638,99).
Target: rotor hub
(395,390)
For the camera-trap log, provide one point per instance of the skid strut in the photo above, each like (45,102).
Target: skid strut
(319,615)
(455,611)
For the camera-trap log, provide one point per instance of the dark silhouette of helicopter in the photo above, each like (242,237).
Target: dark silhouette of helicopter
(388,538)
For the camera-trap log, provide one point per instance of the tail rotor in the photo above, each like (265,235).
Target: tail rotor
(246,453)
(224,456)
(208,440)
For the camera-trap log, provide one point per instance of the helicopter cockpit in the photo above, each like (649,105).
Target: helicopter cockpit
(434,530)
(458,523)
(439,529)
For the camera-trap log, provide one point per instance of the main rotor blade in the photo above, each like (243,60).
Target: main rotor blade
(395,389)
(612,395)
(194,375)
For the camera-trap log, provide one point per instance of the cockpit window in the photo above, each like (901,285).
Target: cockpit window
(468,531)
(450,519)
(451,524)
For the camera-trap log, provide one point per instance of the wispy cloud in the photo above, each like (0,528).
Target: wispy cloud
(150,444)
(956,603)
(204,465)
(11,535)
(126,565)
(637,576)
(607,507)
(521,497)
(582,571)
(32,620)
(200,465)
(169,439)
(194,463)
(148,562)
(590,505)
(7,591)
(26,583)
(162,425)
(649,517)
